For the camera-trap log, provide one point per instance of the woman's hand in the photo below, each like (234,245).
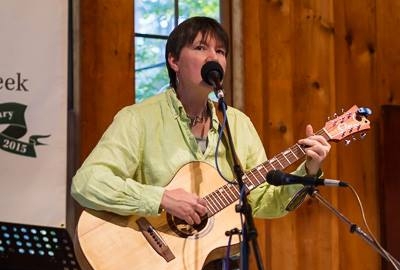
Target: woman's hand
(184,205)
(316,148)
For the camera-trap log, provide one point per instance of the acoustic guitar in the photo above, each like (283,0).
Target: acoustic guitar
(113,242)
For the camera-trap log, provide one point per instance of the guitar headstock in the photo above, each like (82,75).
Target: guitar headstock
(350,122)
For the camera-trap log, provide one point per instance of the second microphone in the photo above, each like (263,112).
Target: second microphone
(279,178)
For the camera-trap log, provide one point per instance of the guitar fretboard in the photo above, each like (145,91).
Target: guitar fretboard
(229,193)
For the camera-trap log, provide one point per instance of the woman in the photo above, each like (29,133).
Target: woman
(128,171)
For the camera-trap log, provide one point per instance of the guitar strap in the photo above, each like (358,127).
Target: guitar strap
(226,136)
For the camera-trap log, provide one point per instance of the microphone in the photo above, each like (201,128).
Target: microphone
(212,73)
(278,178)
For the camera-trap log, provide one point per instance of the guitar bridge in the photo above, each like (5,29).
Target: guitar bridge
(155,239)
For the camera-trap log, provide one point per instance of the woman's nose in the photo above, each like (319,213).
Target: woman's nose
(211,55)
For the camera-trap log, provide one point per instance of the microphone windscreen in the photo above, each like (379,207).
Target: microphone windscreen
(274,177)
(209,70)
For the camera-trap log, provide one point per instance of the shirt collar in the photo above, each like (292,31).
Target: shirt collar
(179,110)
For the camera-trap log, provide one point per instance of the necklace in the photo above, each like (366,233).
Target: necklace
(194,120)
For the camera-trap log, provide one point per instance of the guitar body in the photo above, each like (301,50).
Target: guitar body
(114,242)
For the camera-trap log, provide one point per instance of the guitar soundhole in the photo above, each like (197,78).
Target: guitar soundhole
(181,228)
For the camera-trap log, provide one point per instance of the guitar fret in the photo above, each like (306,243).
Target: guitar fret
(258,170)
(216,203)
(261,177)
(248,186)
(252,179)
(292,156)
(265,171)
(300,148)
(210,203)
(222,192)
(269,166)
(210,211)
(284,163)
(248,181)
(277,159)
(218,200)
(287,152)
(272,163)
(237,192)
(230,193)
(293,153)
(230,187)
(257,177)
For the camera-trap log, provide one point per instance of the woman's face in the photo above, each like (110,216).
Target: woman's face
(192,58)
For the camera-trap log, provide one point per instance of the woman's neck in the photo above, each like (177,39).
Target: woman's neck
(195,103)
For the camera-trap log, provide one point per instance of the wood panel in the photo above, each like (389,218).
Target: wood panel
(106,66)
(355,71)
(253,84)
(304,61)
(313,94)
(292,97)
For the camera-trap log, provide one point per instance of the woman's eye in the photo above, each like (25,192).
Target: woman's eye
(222,52)
(200,47)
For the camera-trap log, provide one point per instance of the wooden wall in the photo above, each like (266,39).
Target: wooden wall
(106,65)
(305,60)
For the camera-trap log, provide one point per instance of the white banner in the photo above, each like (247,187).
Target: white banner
(33,111)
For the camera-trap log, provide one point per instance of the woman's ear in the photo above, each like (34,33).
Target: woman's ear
(173,62)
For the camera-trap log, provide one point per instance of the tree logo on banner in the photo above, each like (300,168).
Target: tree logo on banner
(13,114)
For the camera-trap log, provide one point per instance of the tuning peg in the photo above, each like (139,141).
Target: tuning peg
(335,115)
(347,142)
(365,111)
(362,135)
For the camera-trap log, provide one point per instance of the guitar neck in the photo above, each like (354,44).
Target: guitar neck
(229,193)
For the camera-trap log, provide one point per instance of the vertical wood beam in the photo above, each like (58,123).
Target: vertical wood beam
(106,66)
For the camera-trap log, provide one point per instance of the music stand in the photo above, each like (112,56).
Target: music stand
(24,247)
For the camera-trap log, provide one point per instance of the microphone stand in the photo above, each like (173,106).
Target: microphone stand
(354,228)
(249,231)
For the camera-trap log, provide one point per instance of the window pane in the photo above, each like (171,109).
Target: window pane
(154,17)
(151,74)
(190,8)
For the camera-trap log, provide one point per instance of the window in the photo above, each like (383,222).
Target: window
(154,20)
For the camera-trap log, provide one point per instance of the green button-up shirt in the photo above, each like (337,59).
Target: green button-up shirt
(145,146)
